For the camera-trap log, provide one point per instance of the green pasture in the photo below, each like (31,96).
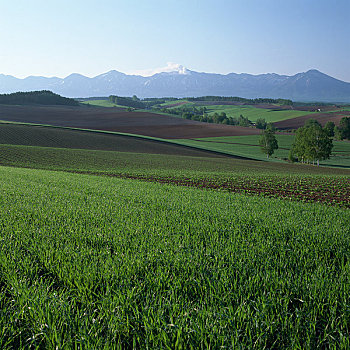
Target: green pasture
(101,103)
(131,163)
(169,103)
(243,146)
(101,263)
(248,146)
(253,113)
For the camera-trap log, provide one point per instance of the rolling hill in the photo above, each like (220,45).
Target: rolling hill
(117,119)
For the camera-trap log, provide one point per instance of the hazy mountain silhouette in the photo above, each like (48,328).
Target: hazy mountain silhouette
(308,86)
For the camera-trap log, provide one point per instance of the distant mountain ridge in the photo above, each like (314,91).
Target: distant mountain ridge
(307,86)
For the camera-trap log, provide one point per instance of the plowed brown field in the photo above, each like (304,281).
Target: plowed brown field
(323,118)
(115,119)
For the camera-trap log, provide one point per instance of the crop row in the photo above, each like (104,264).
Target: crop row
(327,190)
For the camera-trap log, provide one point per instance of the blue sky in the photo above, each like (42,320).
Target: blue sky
(56,38)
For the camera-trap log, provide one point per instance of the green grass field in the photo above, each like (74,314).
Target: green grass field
(90,262)
(101,103)
(253,113)
(170,103)
(248,146)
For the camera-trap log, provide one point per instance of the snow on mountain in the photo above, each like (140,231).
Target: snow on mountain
(177,81)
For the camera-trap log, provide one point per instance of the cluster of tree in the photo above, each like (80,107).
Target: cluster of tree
(184,111)
(133,102)
(261,123)
(43,97)
(222,118)
(200,114)
(312,143)
(242,100)
(342,131)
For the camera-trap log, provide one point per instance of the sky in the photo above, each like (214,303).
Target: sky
(91,37)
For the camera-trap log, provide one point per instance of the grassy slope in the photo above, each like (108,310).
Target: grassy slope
(101,103)
(111,162)
(250,112)
(248,146)
(253,113)
(94,262)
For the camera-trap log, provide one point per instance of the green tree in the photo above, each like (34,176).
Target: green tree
(311,144)
(344,126)
(260,123)
(338,135)
(329,128)
(271,127)
(268,142)
(312,122)
(243,121)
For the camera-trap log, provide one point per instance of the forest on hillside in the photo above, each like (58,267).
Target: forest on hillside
(43,97)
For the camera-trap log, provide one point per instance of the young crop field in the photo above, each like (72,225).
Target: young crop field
(289,181)
(248,146)
(92,262)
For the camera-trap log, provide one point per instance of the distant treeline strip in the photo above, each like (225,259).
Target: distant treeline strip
(133,102)
(241,99)
(43,97)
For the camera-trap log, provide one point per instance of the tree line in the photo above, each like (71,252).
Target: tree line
(133,102)
(242,99)
(43,97)
(200,114)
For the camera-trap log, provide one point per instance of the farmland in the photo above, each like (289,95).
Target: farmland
(322,118)
(253,113)
(97,262)
(293,182)
(248,146)
(283,116)
(99,103)
(43,136)
(117,119)
(118,241)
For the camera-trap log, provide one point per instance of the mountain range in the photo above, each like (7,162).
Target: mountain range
(312,85)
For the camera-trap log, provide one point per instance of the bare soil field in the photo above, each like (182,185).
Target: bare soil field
(46,136)
(322,118)
(116,119)
(188,131)
(296,108)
